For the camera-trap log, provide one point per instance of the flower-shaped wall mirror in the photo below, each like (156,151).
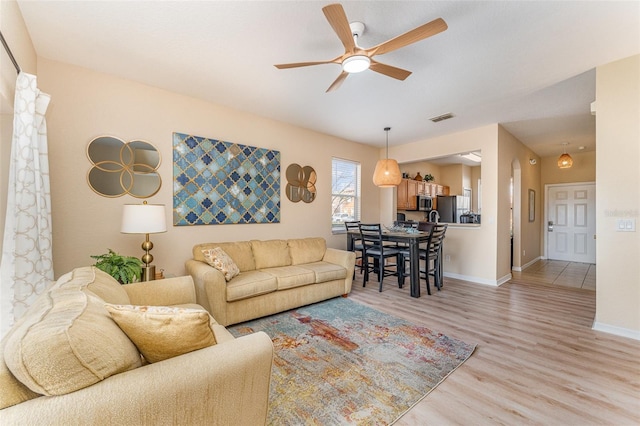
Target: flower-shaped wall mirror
(121,168)
(301,183)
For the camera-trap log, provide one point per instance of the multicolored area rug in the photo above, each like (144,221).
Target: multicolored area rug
(339,362)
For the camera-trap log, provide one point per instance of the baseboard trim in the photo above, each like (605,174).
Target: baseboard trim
(493,283)
(526,265)
(618,331)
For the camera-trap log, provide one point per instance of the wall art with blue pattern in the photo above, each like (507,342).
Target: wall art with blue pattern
(217,182)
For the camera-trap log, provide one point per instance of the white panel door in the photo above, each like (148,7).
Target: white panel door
(571,225)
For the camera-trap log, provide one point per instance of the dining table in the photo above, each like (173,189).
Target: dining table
(412,239)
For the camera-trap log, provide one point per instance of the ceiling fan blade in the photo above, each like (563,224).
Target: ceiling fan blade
(338,82)
(340,24)
(302,64)
(388,70)
(420,33)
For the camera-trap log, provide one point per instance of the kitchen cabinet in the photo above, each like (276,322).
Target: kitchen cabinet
(409,189)
(434,189)
(441,190)
(407,192)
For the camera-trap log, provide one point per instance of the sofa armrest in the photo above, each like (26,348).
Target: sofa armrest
(344,258)
(211,288)
(225,384)
(170,291)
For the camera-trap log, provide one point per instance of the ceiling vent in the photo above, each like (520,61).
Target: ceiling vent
(442,117)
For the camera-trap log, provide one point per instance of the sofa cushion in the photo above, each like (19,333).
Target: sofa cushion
(67,341)
(12,392)
(241,253)
(291,276)
(217,258)
(306,250)
(271,253)
(249,284)
(101,284)
(162,332)
(325,271)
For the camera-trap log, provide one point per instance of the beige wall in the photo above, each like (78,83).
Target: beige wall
(86,104)
(453,177)
(424,167)
(514,160)
(17,37)
(475,177)
(583,169)
(472,251)
(618,196)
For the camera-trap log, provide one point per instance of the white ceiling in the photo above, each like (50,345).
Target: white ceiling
(528,65)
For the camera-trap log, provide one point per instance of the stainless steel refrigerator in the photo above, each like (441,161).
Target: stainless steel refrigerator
(450,207)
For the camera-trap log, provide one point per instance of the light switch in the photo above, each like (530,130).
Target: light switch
(626,225)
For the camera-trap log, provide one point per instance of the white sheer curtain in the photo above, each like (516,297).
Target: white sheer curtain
(26,268)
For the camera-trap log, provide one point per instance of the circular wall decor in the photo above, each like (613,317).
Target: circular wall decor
(120,167)
(301,183)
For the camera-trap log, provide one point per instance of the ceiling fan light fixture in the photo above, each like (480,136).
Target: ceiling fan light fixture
(356,63)
(387,173)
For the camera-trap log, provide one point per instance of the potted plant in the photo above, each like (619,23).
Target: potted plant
(125,269)
(428,177)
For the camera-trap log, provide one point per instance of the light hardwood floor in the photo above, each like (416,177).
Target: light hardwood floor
(537,359)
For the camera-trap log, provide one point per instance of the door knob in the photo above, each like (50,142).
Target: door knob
(550,226)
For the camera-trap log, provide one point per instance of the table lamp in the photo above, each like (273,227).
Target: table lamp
(144,219)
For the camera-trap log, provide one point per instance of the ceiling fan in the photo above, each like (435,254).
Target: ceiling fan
(355,58)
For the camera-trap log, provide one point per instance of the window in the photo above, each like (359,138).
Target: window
(345,193)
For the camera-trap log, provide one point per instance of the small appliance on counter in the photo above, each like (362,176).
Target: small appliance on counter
(469,217)
(424,203)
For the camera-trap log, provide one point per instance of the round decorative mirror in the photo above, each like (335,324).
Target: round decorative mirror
(121,168)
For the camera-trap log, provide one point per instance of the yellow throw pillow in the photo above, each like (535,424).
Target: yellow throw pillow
(220,260)
(162,332)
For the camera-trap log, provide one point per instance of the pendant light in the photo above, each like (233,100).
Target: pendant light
(565,161)
(387,173)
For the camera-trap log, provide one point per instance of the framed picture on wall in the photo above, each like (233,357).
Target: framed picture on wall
(532,205)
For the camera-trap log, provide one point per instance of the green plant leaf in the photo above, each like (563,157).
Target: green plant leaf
(125,269)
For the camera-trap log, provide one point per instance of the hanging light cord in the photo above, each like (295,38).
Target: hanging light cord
(386,129)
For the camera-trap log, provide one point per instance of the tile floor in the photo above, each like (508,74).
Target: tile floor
(557,272)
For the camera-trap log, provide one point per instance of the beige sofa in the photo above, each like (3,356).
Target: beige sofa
(275,276)
(67,340)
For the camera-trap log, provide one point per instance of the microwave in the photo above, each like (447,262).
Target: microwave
(424,203)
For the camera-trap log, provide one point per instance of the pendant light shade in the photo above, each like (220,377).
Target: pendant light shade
(387,173)
(565,161)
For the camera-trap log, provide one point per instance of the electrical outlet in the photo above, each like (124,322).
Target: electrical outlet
(447,258)
(524,252)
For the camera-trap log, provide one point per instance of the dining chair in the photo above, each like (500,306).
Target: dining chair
(433,256)
(354,226)
(372,244)
(405,254)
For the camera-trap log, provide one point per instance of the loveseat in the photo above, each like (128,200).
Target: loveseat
(67,362)
(274,276)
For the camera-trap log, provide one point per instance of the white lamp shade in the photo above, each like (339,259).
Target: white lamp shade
(143,219)
(387,174)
